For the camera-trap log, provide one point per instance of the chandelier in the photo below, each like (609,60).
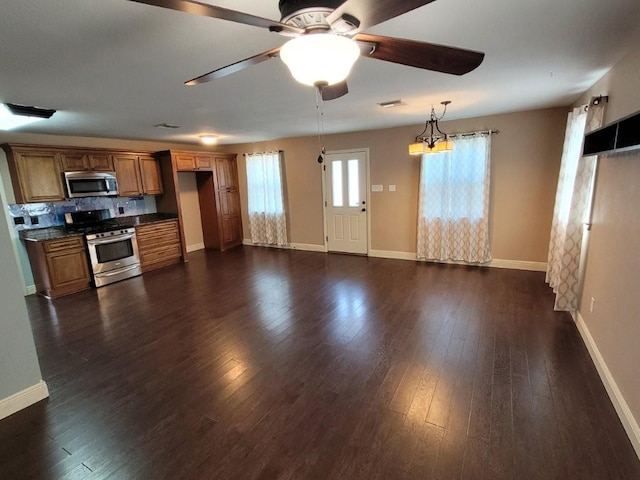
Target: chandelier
(432,143)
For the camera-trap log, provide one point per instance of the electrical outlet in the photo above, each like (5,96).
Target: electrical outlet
(34,220)
(120,210)
(392,188)
(592,304)
(377,188)
(18,221)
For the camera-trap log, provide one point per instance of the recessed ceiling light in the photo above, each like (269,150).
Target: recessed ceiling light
(391,103)
(14,116)
(166,125)
(208,139)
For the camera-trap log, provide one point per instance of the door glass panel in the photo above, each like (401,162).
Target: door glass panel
(336,183)
(354,183)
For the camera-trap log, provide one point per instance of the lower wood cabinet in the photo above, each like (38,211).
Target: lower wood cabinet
(59,267)
(158,244)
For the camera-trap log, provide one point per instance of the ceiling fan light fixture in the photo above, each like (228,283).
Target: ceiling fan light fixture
(320,58)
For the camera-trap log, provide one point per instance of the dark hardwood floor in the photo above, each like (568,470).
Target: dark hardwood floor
(271,364)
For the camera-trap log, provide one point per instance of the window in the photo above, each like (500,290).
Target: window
(454,202)
(267,221)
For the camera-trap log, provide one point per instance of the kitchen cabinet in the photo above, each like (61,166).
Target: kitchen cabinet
(220,204)
(189,162)
(158,244)
(36,173)
(218,196)
(60,266)
(92,161)
(227,202)
(150,174)
(137,175)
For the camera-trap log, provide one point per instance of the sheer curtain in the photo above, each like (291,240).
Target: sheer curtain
(267,220)
(571,209)
(453,208)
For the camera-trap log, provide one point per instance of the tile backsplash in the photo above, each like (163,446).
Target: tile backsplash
(40,215)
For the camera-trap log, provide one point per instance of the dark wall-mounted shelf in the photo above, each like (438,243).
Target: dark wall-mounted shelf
(620,136)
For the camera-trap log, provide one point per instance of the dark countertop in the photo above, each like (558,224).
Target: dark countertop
(44,234)
(55,233)
(147,218)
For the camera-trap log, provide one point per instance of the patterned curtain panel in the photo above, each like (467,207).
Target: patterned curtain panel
(571,209)
(453,208)
(267,219)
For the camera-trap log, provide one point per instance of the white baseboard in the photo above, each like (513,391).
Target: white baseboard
(392,254)
(23,399)
(622,408)
(519,265)
(29,290)
(194,247)
(495,263)
(309,247)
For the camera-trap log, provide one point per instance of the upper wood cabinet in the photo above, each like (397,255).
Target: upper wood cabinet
(137,175)
(36,174)
(151,176)
(82,161)
(192,161)
(37,171)
(128,175)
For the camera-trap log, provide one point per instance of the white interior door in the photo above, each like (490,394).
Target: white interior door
(346,207)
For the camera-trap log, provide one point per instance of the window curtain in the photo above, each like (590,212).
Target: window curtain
(453,208)
(267,220)
(571,210)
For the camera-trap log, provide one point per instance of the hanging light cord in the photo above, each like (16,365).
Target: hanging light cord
(320,122)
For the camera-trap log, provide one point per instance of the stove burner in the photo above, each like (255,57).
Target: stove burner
(94,221)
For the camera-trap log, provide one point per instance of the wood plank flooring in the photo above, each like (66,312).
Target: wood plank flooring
(272,364)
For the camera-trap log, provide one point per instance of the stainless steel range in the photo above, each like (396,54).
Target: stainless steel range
(112,246)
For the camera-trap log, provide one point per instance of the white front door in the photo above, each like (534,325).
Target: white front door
(346,207)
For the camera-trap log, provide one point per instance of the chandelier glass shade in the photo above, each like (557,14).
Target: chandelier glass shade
(320,58)
(433,142)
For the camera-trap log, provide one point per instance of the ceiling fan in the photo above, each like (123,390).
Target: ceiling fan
(327,40)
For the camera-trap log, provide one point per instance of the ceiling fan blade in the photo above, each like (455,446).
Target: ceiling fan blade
(207,10)
(337,90)
(429,56)
(373,12)
(234,67)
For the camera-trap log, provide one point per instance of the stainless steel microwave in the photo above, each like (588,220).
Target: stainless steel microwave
(90,184)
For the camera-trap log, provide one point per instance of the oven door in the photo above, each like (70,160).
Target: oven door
(113,253)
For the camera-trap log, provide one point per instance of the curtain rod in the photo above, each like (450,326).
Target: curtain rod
(473,134)
(466,134)
(263,153)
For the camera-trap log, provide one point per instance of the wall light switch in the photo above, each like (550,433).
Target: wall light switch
(377,188)
(392,188)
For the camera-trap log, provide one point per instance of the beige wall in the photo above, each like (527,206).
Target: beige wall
(612,272)
(525,164)
(190,206)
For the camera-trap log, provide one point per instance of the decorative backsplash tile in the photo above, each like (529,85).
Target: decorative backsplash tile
(52,214)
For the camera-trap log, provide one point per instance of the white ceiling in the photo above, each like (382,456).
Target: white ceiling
(114,68)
